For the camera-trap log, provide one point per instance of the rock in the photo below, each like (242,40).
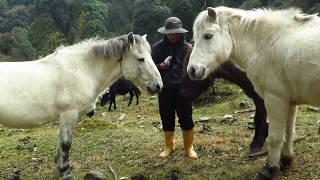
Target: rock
(228,116)
(251,125)
(121,116)
(205,118)
(16,171)
(37,159)
(94,175)
(227,119)
(252,116)
(218,97)
(313,109)
(139,177)
(104,114)
(25,140)
(15,175)
(205,129)
(244,104)
(153,97)
(139,116)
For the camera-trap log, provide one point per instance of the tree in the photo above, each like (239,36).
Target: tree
(250,4)
(40,30)
(23,48)
(7,42)
(3,5)
(183,10)
(148,17)
(19,15)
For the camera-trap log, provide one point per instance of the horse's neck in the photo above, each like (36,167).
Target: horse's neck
(98,72)
(249,41)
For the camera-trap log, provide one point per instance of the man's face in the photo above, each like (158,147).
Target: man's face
(173,38)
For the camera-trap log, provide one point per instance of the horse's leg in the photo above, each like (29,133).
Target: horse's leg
(261,127)
(114,102)
(110,104)
(137,96)
(278,110)
(235,75)
(131,96)
(68,121)
(287,151)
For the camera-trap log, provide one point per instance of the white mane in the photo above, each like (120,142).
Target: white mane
(115,47)
(249,19)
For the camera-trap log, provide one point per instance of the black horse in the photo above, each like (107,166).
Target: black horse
(120,87)
(229,71)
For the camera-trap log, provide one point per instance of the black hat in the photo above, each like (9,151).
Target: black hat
(172,25)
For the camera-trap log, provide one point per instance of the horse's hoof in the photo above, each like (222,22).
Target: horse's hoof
(286,164)
(268,173)
(257,151)
(68,177)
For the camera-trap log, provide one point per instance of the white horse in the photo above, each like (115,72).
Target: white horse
(64,85)
(280,52)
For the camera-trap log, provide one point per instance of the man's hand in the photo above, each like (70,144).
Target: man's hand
(164,65)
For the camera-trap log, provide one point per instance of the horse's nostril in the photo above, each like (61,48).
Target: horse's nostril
(158,88)
(192,70)
(202,71)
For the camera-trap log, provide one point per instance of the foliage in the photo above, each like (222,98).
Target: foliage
(50,23)
(148,16)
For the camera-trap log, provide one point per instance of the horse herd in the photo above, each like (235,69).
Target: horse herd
(272,55)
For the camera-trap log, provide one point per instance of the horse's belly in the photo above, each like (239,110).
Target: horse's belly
(17,121)
(305,83)
(26,116)
(308,94)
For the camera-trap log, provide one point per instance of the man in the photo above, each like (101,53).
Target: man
(168,55)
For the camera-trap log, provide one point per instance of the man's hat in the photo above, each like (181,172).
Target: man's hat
(172,25)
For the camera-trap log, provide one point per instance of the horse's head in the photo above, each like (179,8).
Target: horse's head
(213,44)
(138,67)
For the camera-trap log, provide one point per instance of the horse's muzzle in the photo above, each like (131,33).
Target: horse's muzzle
(154,87)
(197,72)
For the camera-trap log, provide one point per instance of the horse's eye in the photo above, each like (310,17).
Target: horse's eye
(141,59)
(208,36)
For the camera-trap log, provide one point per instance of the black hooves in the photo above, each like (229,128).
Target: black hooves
(268,173)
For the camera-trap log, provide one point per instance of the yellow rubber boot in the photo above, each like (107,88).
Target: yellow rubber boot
(188,147)
(170,144)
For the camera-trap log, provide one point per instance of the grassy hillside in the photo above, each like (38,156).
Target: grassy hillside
(130,146)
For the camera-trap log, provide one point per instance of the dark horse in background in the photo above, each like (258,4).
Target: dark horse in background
(229,71)
(120,87)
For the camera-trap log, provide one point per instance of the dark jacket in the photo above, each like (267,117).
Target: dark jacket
(172,76)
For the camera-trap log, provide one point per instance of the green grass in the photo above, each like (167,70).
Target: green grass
(131,146)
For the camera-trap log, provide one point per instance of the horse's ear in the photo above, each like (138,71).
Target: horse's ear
(131,38)
(144,37)
(212,14)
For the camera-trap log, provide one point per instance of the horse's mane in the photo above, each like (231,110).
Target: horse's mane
(249,18)
(282,17)
(115,47)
